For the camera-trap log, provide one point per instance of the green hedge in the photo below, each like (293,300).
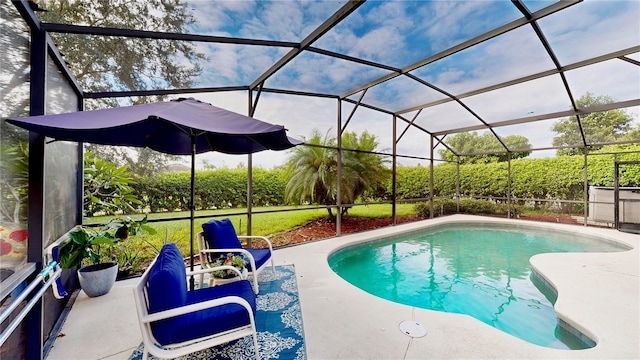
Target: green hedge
(214,189)
(467,206)
(547,178)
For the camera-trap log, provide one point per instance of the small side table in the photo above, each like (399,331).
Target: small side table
(213,281)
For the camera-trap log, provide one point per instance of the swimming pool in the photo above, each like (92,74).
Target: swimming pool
(481,270)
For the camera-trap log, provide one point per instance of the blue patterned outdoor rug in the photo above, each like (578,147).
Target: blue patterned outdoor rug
(278,322)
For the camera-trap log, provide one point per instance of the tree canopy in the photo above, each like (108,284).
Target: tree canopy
(598,127)
(473,143)
(103,63)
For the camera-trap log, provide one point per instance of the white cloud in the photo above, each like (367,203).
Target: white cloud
(447,23)
(593,28)
(400,93)
(224,62)
(400,33)
(374,122)
(368,46)
(450,76)
(506,57)
(536,97)
(212,16)
(298,114)
(273,20)
(277,20)
(446,116)
(607,78)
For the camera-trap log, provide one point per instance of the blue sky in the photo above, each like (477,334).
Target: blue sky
(400,33)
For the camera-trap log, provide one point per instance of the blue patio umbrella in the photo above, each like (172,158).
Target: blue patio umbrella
(178,127)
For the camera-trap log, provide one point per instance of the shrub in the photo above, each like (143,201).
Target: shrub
(440,207)
(467,206)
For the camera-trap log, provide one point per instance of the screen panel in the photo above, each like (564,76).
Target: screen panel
(60,161)
(612,78)
(541,96)
(400,93)
(592,28)
(404,32)
(510,56)
(447,116)
(14,143)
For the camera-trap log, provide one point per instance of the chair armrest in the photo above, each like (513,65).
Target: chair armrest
(263,238)
(166,314)
(226,251)
(219,251)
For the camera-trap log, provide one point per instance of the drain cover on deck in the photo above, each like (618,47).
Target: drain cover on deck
(412,328)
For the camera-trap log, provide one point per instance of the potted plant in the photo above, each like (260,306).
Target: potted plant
(83,248)
(230,259)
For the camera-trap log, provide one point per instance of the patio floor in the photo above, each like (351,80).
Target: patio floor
(599,293)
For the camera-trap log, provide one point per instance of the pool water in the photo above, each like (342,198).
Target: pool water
(479,270)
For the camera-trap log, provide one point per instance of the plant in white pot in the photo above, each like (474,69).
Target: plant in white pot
(230,259)
(83,248)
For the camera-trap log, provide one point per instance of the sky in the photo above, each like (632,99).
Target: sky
(401,33)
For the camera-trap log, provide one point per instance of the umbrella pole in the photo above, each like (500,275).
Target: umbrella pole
(193,207)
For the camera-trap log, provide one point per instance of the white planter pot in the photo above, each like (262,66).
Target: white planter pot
(97,280)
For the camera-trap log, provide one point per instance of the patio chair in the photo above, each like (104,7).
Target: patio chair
(218,238)
(175,322)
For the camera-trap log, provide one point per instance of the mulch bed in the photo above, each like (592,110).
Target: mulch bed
(326,228)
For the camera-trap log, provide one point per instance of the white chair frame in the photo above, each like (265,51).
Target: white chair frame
(203,250)
(152,346)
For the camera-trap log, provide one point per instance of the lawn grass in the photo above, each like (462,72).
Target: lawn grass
(142,248)
(138,251)
(381,210)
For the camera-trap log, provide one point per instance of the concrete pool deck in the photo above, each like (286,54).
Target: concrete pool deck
(598,293)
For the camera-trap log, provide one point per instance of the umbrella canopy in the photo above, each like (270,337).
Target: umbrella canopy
(178,127)
(168,127)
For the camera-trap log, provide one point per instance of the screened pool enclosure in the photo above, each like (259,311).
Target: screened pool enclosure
(456,85)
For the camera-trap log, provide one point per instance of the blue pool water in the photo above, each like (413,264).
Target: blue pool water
(476,269)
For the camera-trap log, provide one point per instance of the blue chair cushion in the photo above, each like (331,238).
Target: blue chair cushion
(261,256)
(220,234)
(167,284)
(210,321)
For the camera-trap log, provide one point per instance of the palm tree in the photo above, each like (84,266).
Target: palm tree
(362,171)
(312,170)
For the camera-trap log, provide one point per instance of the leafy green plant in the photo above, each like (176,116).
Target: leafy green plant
(236,261)
(131,256)
(107,187)
(85,242)
(14,180)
